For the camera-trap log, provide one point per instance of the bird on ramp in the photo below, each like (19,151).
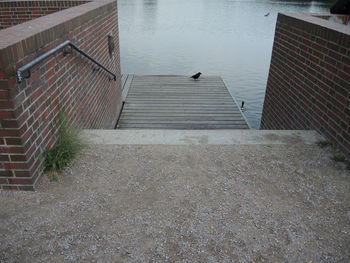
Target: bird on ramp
(196,76)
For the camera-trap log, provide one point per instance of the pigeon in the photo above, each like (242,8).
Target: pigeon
(267,14)
(196,76)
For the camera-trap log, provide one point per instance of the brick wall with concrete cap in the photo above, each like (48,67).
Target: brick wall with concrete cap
(17,12)
(309,80)
(29,110)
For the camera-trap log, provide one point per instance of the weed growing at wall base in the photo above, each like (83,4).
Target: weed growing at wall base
(66,148)
(324,144)
(337,157)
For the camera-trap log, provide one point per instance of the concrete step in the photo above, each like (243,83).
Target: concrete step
(200,137)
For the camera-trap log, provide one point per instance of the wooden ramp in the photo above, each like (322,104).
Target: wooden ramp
(178,102)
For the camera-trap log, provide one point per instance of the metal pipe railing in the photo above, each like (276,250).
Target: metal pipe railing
(28,66)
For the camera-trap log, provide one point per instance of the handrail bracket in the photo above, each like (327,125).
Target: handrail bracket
(67,51)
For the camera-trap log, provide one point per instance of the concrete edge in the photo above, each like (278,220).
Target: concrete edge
(200,137)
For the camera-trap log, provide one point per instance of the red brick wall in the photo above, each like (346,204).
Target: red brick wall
(29,111)
(309,80)
(13,13)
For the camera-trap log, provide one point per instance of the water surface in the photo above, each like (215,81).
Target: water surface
(229,38)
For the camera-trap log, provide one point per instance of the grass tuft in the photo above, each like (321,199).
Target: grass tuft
(66,148)
(347,163)
(338,158)
(324,144)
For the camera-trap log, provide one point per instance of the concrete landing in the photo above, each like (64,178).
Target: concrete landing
(200,137)
(185,196)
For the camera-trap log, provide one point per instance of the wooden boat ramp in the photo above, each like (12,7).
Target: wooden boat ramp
(178,102)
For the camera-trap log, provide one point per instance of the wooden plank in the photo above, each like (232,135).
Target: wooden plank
(127,86)
(180,127)
(181,117)
(180,104)
(179,97)
(149,85)
(171,84)
(204,108)
(179,114)
(183,108)
(123,80)
(203,119)
(183,85)
(183,113)
(181,122)
(177,79)
(128,82)
(178,94)
(179,90)
(190,101)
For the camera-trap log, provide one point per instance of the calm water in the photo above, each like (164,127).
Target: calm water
(229,38)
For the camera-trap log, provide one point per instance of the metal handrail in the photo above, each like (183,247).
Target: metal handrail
(26,67)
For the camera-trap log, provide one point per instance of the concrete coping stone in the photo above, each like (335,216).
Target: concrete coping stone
(316,25)
(21,40)
(200,137)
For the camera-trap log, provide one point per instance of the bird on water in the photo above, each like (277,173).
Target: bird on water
(196,76)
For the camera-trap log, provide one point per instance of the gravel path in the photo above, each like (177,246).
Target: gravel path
(162,203)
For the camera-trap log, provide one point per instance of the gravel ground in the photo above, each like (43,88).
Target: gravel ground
(162,203)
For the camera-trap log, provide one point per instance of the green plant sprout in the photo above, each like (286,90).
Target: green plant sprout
(67,147)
